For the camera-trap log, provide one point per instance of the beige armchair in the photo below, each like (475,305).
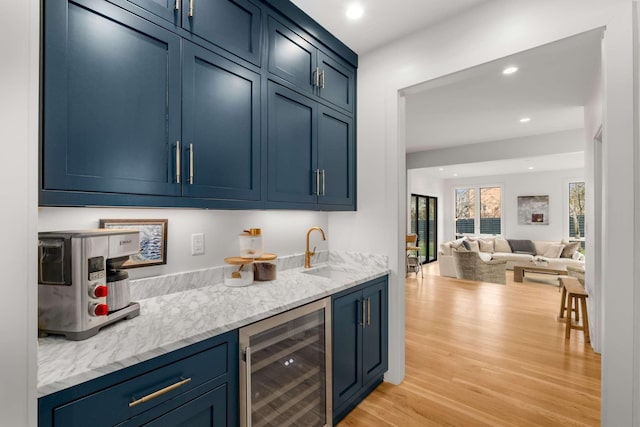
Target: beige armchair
(470,266)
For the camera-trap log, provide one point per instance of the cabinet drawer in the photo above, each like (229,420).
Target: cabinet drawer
(113,405)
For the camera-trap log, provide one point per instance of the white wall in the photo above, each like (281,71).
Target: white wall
(553,184)
(418,182)
(491,31)
(18,193)
(283,232)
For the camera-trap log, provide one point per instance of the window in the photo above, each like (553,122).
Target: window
(481,215)
(576,210)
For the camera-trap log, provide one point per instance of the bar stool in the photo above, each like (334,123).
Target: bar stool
(572,291)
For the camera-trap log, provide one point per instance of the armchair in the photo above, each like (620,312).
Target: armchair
(470,266)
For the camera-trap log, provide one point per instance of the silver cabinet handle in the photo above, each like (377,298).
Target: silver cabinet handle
(159,393)
(369,311)
(191,8)
(191,164)
(177,162)
(364,310)
(317,172)
(177,5)
(247,353)
(324,183)
(322,80)
(316,77)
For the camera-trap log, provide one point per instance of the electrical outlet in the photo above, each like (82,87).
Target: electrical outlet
(197,244)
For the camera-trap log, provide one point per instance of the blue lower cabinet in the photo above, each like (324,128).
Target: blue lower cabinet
(360,344)
(194,386)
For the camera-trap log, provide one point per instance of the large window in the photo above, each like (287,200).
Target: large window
(481,215)
(576,211)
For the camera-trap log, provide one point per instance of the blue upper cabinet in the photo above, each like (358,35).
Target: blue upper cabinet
(234,25)
(111,100)
(221,127)
(299,63)
(311,152)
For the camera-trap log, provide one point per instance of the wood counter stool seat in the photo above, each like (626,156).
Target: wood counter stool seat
(572,291)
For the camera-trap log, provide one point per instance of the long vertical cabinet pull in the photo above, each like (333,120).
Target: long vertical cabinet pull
(322,80)
(177,7)
(324,183)
(191,8)
(177,162)
(316,77)
(317,172)
(191,164)
(368,311)
(364,323)
(247,355)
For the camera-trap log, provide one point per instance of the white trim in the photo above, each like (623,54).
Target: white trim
(636,249)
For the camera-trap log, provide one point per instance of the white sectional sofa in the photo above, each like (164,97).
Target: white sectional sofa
(555,254)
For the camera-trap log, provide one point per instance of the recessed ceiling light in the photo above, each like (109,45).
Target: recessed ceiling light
(455,174)
(509,70)
(531,168)
(355,11)
(525,120)
(441,169)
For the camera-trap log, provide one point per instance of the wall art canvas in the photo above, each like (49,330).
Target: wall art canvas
(153,240)
(533,210)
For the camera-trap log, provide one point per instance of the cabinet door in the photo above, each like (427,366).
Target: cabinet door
(292,139)
(165,9)
(208,410)
(347,347)
(337,82)
(111,100)
(336,157)
(221,122)
(291,57)
(234,25)
(374,341)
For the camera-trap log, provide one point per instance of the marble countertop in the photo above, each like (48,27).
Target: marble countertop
(175,320)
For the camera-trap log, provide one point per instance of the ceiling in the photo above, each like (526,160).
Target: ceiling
(551,86)
(383,20)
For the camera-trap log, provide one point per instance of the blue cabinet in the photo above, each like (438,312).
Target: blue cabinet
(311,152)
(234,25)
(193,386)
(220,127)
(111,100)
(309,69)
(360,344)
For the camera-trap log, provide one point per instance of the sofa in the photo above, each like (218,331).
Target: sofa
(552,254)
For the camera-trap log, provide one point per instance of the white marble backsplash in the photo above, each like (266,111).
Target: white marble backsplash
(150,287)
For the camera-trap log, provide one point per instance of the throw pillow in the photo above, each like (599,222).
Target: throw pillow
(501,245)
(522,246)
(484,256)
(569,249)
(471,245)
(457,243)
(553,251)
(486,246)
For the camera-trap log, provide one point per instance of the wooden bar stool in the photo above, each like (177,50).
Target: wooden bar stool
(572,291)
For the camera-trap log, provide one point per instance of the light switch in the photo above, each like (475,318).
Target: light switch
(197,244)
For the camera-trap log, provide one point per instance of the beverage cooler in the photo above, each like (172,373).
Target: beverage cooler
(285,369)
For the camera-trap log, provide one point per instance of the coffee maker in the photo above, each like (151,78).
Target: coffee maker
(76,270)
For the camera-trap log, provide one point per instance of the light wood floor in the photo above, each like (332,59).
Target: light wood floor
(482,354)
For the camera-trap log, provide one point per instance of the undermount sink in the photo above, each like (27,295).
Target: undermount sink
(328,272)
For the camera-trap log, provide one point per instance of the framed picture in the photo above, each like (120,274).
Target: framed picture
(533,210)
(153,240)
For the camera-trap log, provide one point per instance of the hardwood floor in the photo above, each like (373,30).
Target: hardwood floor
(483,354)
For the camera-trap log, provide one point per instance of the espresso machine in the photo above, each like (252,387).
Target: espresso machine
(80,286)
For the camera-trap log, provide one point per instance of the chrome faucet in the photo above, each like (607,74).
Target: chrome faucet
(307,253)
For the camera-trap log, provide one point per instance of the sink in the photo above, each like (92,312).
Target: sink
(329,272)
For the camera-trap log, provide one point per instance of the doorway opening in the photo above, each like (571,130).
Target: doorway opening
(424,223)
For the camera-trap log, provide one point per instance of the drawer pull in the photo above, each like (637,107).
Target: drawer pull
(158,393)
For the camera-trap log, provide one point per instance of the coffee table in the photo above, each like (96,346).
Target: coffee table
(520,269)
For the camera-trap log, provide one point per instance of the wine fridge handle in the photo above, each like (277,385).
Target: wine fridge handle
(247,353)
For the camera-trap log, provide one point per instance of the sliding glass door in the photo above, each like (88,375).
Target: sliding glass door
(424,220)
